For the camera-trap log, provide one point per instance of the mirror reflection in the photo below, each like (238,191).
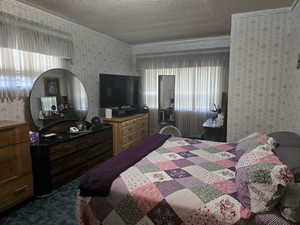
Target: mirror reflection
(57,95)
(166,99)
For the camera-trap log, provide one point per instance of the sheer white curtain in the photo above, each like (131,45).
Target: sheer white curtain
(199,83)
(28,49)
(19,69)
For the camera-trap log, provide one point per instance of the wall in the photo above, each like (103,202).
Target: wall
(258,83)
(293,98)
(94,53)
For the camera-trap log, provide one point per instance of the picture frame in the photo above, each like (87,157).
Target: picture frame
(52,87)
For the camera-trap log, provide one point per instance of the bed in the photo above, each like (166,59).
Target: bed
(168,181)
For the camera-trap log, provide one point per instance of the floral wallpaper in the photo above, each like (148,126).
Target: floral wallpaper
(94,53)
(293,96)
(258,80)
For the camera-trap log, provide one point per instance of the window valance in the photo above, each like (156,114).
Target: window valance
(25,35)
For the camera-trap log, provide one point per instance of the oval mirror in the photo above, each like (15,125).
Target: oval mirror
(57,95)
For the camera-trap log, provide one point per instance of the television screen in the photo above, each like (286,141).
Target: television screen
(116,91)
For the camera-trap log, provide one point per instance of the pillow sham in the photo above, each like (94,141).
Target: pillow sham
(260,179)
(251,142)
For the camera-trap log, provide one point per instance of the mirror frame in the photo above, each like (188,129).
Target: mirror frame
(31,122)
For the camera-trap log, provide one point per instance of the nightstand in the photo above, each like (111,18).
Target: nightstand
(214,130)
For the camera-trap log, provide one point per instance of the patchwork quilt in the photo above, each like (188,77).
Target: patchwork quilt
(183,182)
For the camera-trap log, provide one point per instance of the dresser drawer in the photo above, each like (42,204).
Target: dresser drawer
(14,135)
(15,161)
(8,164)
(15,191)
(99,138)
(80,157)
(67,148)
(7,137)
(129,128)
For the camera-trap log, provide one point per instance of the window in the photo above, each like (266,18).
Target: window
(199,83)
(19,69)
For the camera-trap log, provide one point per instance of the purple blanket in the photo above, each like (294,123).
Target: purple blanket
(97,181)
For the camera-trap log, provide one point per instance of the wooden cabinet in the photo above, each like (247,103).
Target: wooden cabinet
(15,164)
(127,131)
(59,160)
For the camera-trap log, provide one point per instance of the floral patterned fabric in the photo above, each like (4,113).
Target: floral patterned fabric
(182,182)
(260,178)
(251,142)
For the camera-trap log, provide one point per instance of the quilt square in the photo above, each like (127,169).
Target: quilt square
(167,165)
(177,173)
(206,193)
(172,156)
(226,163)
(162,150)
(190,147)
(189,182)
(187,154)
(184,202)
(154,157)
(211,150)
(225,155)
(201,145)
(226,186)
(183,163)
(213,143)
(227,208)
(144,221)
(168,187)
(173,142)
(162,214)
(197,160)
(211,166)
(134,178)
(226,173)
(193,141)
(148,168)
(129,211)
(96,204)
(203,175)
(146,197)
(113,218)
(158,176)
(207,155)
(118,190)
(144,161)
(270,159)
(177,149)
(225,147)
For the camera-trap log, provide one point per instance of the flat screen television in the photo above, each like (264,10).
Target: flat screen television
(117,91)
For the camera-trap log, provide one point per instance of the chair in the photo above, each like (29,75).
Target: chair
(171,130)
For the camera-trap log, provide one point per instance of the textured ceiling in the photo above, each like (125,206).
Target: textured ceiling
(140,21)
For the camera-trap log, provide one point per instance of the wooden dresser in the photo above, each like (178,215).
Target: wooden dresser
(128,130)
(15,164)
(59,160)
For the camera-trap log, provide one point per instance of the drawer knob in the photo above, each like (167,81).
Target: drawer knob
(21,189)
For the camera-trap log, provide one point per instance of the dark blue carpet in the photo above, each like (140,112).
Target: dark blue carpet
(58,209)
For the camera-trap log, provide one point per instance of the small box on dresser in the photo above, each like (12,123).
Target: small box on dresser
(15,164)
